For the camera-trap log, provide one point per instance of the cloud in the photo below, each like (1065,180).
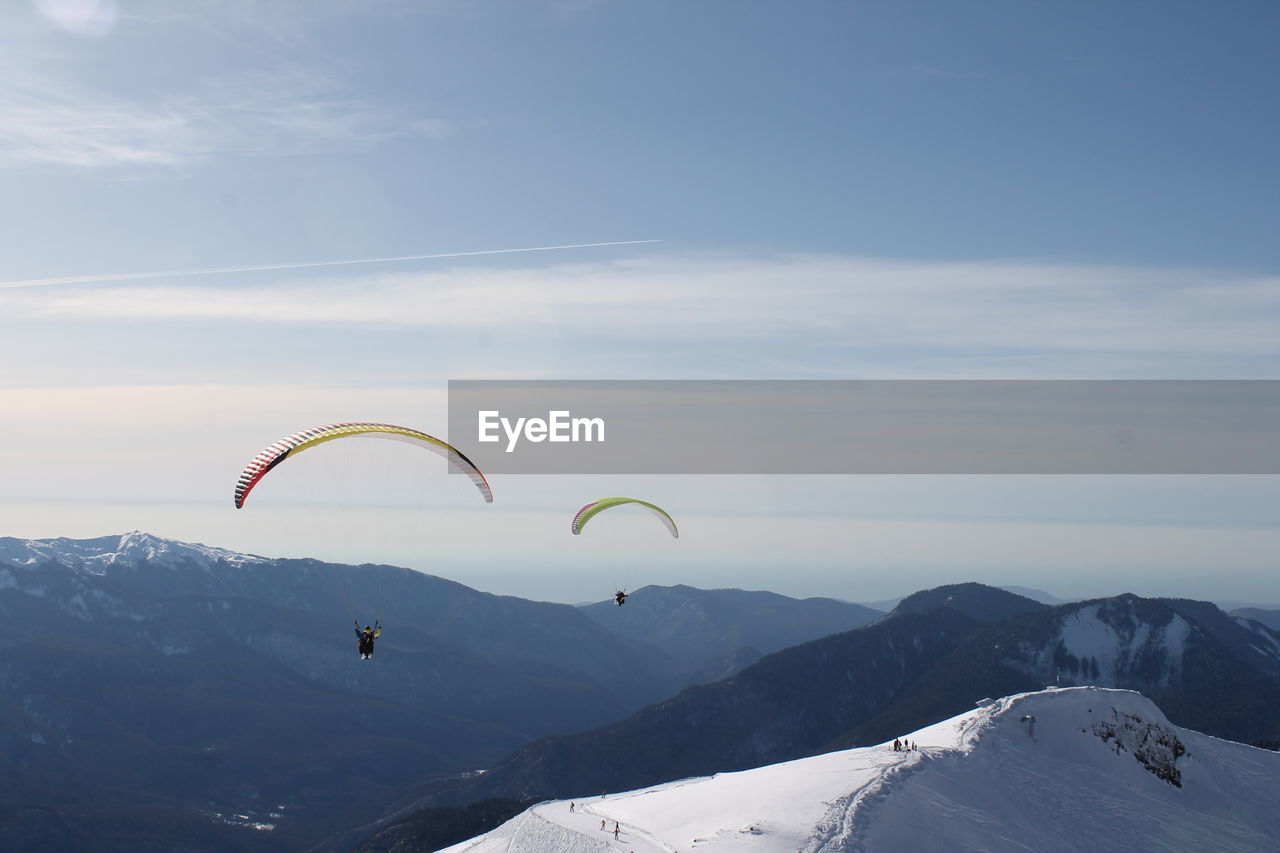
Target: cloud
(53,121)
(832,303)
(89,18)
(286,22)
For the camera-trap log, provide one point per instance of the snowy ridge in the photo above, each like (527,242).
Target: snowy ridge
(81,576)
(1055,771)
(96,556)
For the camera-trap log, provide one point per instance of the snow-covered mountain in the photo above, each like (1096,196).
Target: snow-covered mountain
(99,556)
(1058,770)
(1207,670)
(80,575)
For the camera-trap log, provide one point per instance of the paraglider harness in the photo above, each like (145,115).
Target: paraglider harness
(366,637)
(620,597)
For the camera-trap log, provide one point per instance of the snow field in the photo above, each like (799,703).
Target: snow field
(1088,779)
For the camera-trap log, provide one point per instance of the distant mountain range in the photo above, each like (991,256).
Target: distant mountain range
(711,634)
(153,689)
(1270,618)
(935,655)
(1178,652)
(1026,592)
(1055,771)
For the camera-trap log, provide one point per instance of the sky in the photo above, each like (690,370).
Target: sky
(825,190)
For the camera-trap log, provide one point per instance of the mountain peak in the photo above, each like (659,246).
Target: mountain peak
(975,600)
(139,545)
(128,549)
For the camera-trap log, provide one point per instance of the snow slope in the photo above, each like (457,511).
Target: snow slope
(1096,769)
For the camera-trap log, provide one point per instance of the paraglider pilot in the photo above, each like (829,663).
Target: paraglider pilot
(621,597)
(366,636)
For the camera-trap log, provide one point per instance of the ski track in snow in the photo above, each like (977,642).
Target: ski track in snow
(838,830)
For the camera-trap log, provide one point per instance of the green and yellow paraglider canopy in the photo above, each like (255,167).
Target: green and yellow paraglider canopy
(293,444)
(590,511)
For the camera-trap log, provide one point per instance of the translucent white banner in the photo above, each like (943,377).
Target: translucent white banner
(868,427)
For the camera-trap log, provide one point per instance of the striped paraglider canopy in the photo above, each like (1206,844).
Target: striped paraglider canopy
(291,445)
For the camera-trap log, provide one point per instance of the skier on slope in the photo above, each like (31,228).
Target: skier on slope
(365,637)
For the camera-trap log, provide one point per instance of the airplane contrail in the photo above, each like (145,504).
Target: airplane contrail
(131,276)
